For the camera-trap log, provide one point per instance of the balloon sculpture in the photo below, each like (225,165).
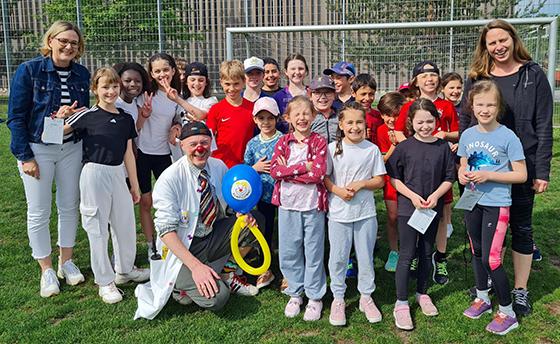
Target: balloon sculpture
(242,189)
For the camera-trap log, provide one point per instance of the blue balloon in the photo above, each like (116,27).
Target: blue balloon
(242,188)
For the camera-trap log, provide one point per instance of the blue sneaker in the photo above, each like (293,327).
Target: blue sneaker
(537,256)
(392,260)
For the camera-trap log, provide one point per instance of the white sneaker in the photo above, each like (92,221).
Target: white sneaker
(70,272)
(49,283)
(136,275)
(110,293)
(238,285)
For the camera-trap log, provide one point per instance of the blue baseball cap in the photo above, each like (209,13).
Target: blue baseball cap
(341,68)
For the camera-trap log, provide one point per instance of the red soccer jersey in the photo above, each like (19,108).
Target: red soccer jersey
(448,120)
(233,127)
(383,141)
(373,121)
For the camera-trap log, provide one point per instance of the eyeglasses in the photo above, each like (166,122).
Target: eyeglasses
(65,42)
(320,94)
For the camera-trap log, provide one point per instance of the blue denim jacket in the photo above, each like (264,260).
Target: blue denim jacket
(35,94)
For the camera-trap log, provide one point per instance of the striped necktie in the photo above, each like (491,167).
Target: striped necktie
(208,208)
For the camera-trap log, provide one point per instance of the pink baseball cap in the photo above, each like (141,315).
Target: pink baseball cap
(266,104)
(404,86)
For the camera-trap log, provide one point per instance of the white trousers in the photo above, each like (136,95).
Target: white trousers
(61,164)
(105,200)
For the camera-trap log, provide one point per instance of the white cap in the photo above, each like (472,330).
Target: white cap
(253,63)
(266,104)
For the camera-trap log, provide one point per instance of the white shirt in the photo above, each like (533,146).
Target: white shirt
(154,136)
(202,103)
(357,162)
(131,108)
(294,196)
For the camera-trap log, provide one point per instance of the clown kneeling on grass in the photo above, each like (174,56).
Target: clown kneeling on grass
(194,230)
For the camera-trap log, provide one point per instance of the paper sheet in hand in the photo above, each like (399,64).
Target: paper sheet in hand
(421,219)
(469,199)
(53,130)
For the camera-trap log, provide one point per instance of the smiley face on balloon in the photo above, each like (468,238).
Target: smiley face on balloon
(241,188)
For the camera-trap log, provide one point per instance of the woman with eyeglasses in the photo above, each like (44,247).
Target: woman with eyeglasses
(39,88)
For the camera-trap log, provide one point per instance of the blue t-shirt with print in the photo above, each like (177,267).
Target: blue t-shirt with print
(491,151)
(257,148)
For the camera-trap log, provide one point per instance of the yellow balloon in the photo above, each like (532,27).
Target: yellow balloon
(237,227)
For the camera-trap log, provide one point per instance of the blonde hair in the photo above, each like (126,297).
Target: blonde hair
(232,70)
(483,87)
(109,73)
(482,61)
(56,28)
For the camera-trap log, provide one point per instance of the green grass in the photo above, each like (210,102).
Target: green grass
(78,314)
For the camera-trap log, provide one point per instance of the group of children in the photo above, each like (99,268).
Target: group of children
(320,150)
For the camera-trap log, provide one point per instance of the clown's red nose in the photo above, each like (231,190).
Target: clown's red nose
(200,150)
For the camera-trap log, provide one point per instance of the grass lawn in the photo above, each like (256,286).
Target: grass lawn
(79,315)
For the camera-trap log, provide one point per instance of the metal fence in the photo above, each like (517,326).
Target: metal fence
(132,30)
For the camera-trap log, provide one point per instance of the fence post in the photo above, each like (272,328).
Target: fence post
(552,41)
(160,27)
(79,14)
(5,29)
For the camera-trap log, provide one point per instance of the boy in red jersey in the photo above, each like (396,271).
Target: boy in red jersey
(363,90)
(389,106)
(231,119)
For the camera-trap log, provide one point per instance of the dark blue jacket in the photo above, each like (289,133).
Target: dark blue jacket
(35,94)
(532,122)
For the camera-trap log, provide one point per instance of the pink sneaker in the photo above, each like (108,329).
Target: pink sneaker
(338,316)
(427,305)
(313,310)
(403,320)
(369,308)
(293,307)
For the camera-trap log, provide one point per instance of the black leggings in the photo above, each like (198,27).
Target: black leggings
(487,227)
(269,212)
(521,220)
(146,164)
(410,243)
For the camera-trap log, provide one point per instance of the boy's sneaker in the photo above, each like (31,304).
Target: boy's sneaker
(313,310)
(521,304)
(265,279)
(110,293)
(351,271)
(440,275)
(238,285)
(537,256)
(392,260)
(414,267)
(49,283)
(403,320)
(502,324)
(427,306)
(477,309)
(337,316)
(293,307)
(136,275)
(181,297)
(368,307)
(70,272)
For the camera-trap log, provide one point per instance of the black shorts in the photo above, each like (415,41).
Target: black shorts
(146,164)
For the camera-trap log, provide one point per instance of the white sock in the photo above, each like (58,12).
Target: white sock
(483,295)
(507,310)
(399,303)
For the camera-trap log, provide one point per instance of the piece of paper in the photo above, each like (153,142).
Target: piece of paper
(469,199)
(421,219)
(53,130)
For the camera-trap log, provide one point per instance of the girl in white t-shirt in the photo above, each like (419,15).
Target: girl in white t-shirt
(155,134)
(355,168)
(197,93)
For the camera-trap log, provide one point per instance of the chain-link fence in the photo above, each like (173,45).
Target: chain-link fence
(132,30)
